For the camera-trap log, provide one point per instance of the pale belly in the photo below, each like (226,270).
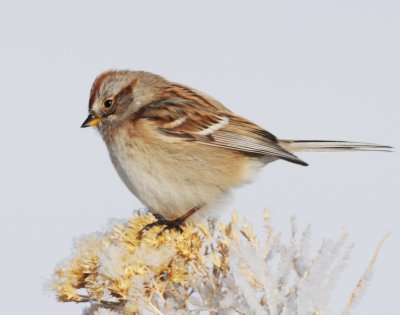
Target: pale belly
(170,180)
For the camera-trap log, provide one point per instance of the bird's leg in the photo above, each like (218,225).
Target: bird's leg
(169,224)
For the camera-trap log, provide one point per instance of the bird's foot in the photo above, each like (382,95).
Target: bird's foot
(169,224)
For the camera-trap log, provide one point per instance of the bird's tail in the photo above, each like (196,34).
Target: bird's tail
(330,146)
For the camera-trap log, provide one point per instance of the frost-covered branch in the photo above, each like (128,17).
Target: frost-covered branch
(209,268)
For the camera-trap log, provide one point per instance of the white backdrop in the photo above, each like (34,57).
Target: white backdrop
(302,69)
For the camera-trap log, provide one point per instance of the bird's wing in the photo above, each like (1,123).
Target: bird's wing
(209,125)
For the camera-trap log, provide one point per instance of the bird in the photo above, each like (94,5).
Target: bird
(180,151)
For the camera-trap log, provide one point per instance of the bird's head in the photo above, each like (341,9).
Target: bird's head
(117,95)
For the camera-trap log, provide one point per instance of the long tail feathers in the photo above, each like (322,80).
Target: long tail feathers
(328,146)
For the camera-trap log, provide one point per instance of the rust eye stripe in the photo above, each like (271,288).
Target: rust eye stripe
(101,79)
(128,89)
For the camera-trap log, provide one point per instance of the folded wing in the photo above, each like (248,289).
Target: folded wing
(192,121)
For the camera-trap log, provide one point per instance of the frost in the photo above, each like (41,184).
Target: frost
(213,268)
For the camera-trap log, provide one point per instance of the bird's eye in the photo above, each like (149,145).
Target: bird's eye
(108,103)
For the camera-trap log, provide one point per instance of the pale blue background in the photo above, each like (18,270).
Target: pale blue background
(302,69)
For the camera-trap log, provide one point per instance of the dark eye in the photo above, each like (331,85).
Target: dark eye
(108,103)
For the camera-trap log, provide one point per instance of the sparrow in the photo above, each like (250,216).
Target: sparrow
(180,151)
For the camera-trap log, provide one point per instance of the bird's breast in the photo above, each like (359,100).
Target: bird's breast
(172,178)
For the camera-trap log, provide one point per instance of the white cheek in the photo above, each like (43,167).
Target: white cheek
(138,103)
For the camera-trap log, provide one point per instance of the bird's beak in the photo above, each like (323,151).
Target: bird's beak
(91,121)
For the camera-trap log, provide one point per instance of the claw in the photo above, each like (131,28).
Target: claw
(169,224)
(175,224)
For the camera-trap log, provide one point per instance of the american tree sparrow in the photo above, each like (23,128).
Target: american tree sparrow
(179,150)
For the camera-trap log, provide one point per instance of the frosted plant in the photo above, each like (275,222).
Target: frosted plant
(209,268)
